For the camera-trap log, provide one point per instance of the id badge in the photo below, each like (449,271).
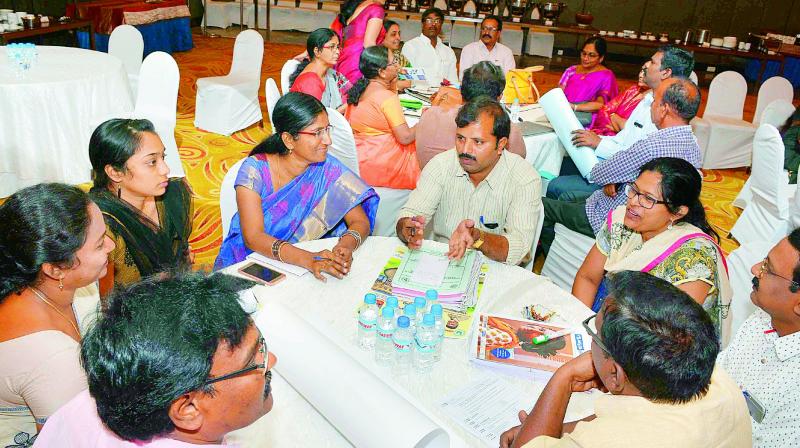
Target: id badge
(757,411)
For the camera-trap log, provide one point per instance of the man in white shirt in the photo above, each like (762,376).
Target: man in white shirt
(428,52)
(764,356)
(488,48)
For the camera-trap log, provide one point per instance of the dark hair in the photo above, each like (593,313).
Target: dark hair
(483,78)
(683,97)
(154,342)
(471,112)
(373,59)
(316,40)
(794,240)
(665,341)
(436,11)
(293,112)
(681,185)
(113,143)
(388,24)
(599,45)
(347,9)
(45,223)
(680,61)
(496,19)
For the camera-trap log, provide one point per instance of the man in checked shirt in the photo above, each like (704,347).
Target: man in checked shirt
(675,103)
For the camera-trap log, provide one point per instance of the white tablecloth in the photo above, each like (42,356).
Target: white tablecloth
(294,422)
(46,117)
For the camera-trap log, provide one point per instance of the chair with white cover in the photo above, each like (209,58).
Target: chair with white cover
(566,256)
(769,208)
(226,104)
(286,71)
(273,95)
(126,44)
(724,138)
(536,235)
(775,88)
(739,263)
(776,114)
(227,197)
(693,78)
(392,200)
(157,101)
(343,144)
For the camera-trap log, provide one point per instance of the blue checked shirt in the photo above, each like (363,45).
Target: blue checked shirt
(623,167)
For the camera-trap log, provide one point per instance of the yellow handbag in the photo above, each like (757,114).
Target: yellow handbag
(520,85)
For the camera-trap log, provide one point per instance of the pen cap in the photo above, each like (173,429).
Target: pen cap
(410,310)
(403,322)
(428,320)
(369,299)
(432,294)
(436,310)
(391,301)
(419,302)
(387,312)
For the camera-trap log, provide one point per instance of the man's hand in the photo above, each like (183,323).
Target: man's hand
(610,190)
(581,374)
(507,438)
(462,239)
(411,231)
(582,137)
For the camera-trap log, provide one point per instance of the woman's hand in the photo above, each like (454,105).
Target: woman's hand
(323,261)
(343,257)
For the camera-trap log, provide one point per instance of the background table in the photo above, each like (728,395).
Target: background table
(332,305)
(46,118)
(49,28)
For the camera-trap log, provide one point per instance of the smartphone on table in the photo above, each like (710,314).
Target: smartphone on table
(261,274)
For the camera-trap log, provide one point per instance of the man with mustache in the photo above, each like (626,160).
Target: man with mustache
(428,52)
(488,48)
(171,362)
(764,356)
(483,196)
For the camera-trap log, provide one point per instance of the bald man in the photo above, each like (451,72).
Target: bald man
(675,103)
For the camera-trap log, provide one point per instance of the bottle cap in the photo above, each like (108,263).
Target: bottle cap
(436,310)
(419,302)
(410,310)
(403,322)
(369,299)
(428,320)
(387,312)
(432,294)
(392,301)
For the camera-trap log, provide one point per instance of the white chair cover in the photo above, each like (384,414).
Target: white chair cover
(767,212)
(566,256)
(226,104)
(288,68)
(343,145)
(157,101)
(724,138)
(273,95)
(739,263)
(536,236)
(389,207)
(775,88)
(227,197)
(693,77)
(126,44)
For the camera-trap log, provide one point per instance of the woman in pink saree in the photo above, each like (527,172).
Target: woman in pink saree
(589,85)
(360,25)
(611,118)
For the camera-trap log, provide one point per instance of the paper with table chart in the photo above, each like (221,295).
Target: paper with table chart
(278,265)
(564,121)
(487,407)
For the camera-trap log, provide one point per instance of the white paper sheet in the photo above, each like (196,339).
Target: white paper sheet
(278,265)
(355,401)
(564,121)
(430,269)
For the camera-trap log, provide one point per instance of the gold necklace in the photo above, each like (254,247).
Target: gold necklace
(44,299)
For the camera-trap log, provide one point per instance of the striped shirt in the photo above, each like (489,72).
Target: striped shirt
(509,197)
(623,167)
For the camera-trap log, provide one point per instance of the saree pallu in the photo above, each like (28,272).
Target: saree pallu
(622,105)
(629,252)
(352,38)
(311,206)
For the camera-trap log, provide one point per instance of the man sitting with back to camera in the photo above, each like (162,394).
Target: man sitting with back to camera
(171,363)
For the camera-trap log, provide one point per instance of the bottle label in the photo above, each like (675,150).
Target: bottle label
(424,348)
(402,346)
(366,325)
(384,334)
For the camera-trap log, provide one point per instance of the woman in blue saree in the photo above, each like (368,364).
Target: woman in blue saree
(290,190)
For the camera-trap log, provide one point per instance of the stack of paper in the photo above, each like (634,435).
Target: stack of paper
(429,268)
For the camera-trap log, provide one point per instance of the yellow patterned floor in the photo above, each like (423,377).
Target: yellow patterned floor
(206,157)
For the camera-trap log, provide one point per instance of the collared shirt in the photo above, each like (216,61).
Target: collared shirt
(438,62)
(638,126)
(509,196)
(767,366)
(676,141)
(499,55)
(718,419)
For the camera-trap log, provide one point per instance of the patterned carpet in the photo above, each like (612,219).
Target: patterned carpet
(207,157)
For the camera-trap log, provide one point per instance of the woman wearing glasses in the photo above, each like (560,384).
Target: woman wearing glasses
(589,85)
(316,76)
(385,144)
(661,230)
(289,190)
(360,26)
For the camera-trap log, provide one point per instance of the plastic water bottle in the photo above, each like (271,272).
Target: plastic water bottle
(421,304)
(402,340)
(384,347)
(433,298)
(426,341)
(436,310)
(367,320)
(410,311)
(515,111)
(391,302)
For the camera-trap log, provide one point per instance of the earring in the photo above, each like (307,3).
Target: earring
(60,284)
(669,227)
(119,192)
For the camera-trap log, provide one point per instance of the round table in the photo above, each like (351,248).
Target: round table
(47,116)
(331,305)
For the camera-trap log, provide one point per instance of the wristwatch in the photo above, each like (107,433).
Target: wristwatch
(479,242)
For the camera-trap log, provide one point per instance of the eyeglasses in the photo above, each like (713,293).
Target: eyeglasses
(334,47)
(489,29)
(262,365)
(765,269)
(319,132)
(433,21)
(589,55)
(645,200)
(594,335)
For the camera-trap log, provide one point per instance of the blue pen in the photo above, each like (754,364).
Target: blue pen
(490,225)
(318,258)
